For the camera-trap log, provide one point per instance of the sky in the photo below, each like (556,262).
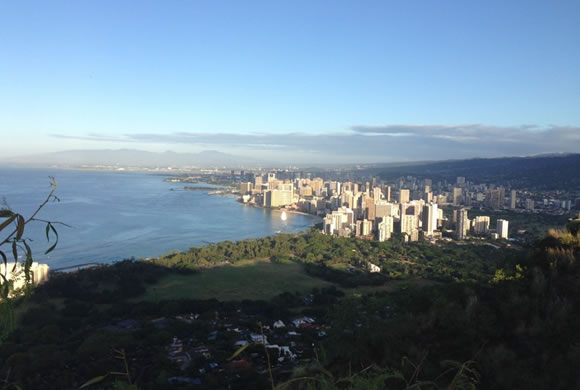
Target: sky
(296,81)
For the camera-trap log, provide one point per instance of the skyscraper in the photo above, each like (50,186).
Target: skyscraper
(388,193)
(481,225)
(386,228)
(457,192)
(495,198)
(462,225)
(408,224)
(513,199)
(369,207)
(403,196)
(502,228)
(429,219)
(530,204)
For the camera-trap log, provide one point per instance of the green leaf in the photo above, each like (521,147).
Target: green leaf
(238,351)
(4,288)
(6,213)
(10,219)
(93,381)
(56,242)
(4,259)
(51,248)
(27,249)
(20,227)
(15,251)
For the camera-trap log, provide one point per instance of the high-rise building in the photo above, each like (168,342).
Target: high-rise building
(339,222)
(388,193)
(384,208)
(364,227)
(408,223)
(246,188)
(317,186)
(404,196)
(481,225)
(457,192)
(530,204)
(513,199)
(429,219)
(460,180)
(278,198)
(495,198)
(386,228)
(462,224)
(502,228)
(369,209)
(377,193)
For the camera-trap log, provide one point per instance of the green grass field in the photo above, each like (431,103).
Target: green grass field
(252,281)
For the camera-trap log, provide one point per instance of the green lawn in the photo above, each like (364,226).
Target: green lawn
(255,281)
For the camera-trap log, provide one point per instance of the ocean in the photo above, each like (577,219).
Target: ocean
(119,215)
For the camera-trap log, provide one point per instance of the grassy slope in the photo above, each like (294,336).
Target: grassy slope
(255,281)
(252,279)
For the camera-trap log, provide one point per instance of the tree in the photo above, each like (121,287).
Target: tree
(12,243)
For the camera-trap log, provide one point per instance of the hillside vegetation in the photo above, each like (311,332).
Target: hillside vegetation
(494,319)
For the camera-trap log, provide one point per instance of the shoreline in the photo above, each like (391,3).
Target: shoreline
(316,217)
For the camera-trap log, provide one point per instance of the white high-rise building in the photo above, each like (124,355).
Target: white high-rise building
(386,228)
(408,224)
(462,225)
(502,228)
(404,196)
(481,225)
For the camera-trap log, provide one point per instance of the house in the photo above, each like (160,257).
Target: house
(303,320)
(373,268)
(258,338)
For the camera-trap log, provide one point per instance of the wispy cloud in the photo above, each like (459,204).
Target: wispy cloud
(377,143)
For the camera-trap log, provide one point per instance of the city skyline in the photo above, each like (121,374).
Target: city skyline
(302,82)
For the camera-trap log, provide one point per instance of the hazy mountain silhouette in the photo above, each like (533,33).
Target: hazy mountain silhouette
(133,158)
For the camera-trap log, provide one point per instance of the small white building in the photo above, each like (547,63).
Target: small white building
(373,268)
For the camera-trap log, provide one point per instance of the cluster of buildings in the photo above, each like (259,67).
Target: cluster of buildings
(479,225)
(204,353)
(410,206)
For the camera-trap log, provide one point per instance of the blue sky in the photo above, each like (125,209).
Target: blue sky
(296,81)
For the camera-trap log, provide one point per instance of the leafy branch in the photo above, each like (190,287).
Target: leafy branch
(14,226)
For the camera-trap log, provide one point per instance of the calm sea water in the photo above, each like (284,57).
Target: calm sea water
(117,215)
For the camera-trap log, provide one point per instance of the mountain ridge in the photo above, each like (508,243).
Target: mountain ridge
(133,158)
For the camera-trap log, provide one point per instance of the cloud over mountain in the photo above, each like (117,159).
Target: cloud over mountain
(366,143)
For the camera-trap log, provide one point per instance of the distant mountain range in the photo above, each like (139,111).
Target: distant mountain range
(550,171)
(134,158)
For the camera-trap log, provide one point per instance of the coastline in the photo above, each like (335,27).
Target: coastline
(136,217)
(296,212)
